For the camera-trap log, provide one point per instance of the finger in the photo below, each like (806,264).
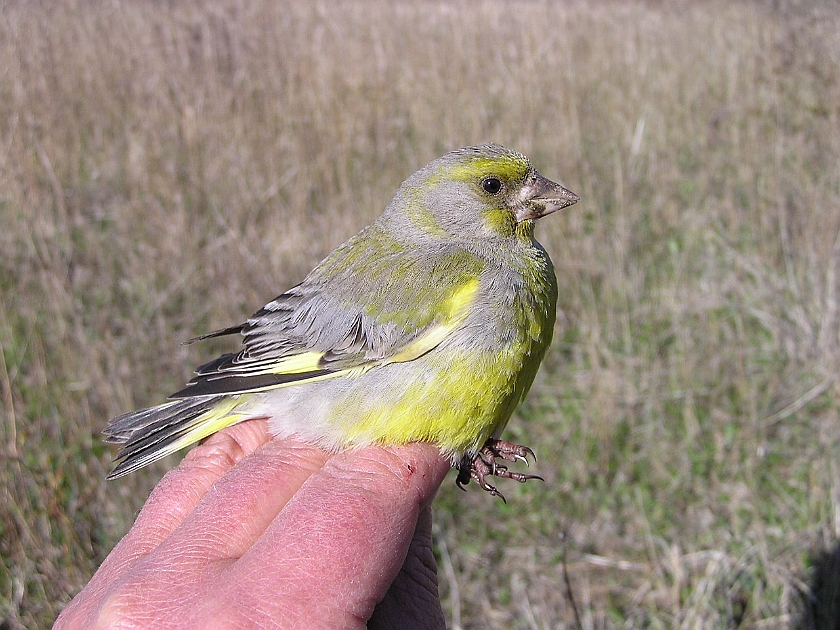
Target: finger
(181,489)
(413,600)
(172,500)
(239,507)
(339,542)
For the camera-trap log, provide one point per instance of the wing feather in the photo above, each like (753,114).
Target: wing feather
(346,317)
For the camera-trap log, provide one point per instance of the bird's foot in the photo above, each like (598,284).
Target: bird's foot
(484,464)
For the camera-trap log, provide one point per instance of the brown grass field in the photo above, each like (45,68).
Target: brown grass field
(168,167)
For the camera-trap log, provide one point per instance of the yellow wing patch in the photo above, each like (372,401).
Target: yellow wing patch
(297,364)
(456,309)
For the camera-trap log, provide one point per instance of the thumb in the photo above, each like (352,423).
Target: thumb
(413,600)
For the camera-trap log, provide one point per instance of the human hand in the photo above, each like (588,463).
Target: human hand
(250,532)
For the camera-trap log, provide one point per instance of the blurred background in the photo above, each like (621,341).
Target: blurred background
(166,168)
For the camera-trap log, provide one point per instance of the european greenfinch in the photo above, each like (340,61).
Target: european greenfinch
(429,325)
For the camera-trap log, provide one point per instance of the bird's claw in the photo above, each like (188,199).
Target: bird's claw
(483,464)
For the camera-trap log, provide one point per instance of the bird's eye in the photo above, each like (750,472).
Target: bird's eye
(492,185)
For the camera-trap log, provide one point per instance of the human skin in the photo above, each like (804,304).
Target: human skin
(250,532)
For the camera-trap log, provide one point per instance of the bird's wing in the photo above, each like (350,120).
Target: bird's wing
(355,311)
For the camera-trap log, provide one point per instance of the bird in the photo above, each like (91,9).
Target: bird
(428,325)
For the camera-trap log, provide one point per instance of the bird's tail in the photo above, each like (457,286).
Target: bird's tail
(149,434)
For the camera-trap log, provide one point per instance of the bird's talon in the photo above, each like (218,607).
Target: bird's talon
(483,464)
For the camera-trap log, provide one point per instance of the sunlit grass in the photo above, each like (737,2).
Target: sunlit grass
(167,169)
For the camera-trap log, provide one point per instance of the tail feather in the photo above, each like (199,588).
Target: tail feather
(151,434)
(152,425)
(163,430)
(120,429)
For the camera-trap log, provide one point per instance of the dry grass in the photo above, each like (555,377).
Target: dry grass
(166,168)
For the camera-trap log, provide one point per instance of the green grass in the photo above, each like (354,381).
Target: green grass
(167,169)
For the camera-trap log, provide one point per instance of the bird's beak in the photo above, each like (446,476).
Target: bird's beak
(540,197)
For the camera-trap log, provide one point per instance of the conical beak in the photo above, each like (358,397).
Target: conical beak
(542,196)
